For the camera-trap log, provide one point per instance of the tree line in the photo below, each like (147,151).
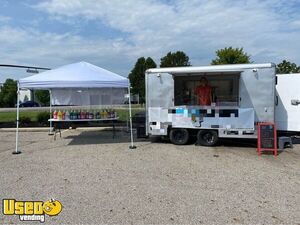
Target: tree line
(229,55)
(224,56)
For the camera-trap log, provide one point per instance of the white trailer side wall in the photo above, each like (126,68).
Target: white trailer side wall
(287,110)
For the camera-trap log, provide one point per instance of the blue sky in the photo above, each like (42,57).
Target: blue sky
(113,33)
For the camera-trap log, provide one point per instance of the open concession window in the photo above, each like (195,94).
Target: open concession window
(225,88)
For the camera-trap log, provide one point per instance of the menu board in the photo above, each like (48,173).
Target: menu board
(267,137)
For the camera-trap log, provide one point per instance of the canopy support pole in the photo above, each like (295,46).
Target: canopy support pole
(130,120)
(50,112)
(17,128)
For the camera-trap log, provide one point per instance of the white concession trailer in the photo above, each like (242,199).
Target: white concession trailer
(242,96)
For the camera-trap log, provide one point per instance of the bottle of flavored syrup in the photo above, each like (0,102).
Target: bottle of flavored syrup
(59,115)
(67,116)
(72,114)
(91,115)
(105,114)
(75,115)
(106,111)
(55,114)
(63,115)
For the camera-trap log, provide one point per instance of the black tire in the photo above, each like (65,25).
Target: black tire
(207,137)
(179,136)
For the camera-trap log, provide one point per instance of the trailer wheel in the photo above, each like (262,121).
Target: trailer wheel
(207,137)
(179,136)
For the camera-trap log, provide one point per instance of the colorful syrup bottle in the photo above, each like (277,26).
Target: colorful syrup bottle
(55,114)
(63,115)
(75,115)
(91,115)
(72,115)
(59,115)
(108,113)
(67,115)
(98,115)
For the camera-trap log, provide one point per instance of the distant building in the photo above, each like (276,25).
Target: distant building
(25,95)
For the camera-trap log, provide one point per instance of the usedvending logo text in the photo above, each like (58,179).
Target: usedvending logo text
(31,210)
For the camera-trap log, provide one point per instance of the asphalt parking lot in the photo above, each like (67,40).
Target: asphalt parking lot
(99,180)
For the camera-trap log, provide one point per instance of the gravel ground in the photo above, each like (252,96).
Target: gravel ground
(100,181)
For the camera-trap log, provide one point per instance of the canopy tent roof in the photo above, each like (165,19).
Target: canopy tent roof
(76,75)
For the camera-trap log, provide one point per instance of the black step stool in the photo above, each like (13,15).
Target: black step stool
(284,141)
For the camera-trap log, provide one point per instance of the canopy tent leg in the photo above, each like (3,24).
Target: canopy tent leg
(17,128)
(127,124)
(130,120)
(50,111)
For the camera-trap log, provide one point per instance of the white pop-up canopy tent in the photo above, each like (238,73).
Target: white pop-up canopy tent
(76,75)
(64,82)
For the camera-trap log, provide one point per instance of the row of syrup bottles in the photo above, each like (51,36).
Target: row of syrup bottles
(84,114)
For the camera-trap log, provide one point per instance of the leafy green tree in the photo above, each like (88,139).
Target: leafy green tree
(175,59)
(231,56)
(287,67)
(43,97)
(8,93)
(137,76)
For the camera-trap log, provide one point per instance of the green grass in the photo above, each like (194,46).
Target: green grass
(11,116)
(123,114)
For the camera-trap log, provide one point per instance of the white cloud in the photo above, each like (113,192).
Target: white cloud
(32,47)
(295,24)
(193,26)
(4,19)
(268,30)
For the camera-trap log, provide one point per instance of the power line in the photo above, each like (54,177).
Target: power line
(26,67)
